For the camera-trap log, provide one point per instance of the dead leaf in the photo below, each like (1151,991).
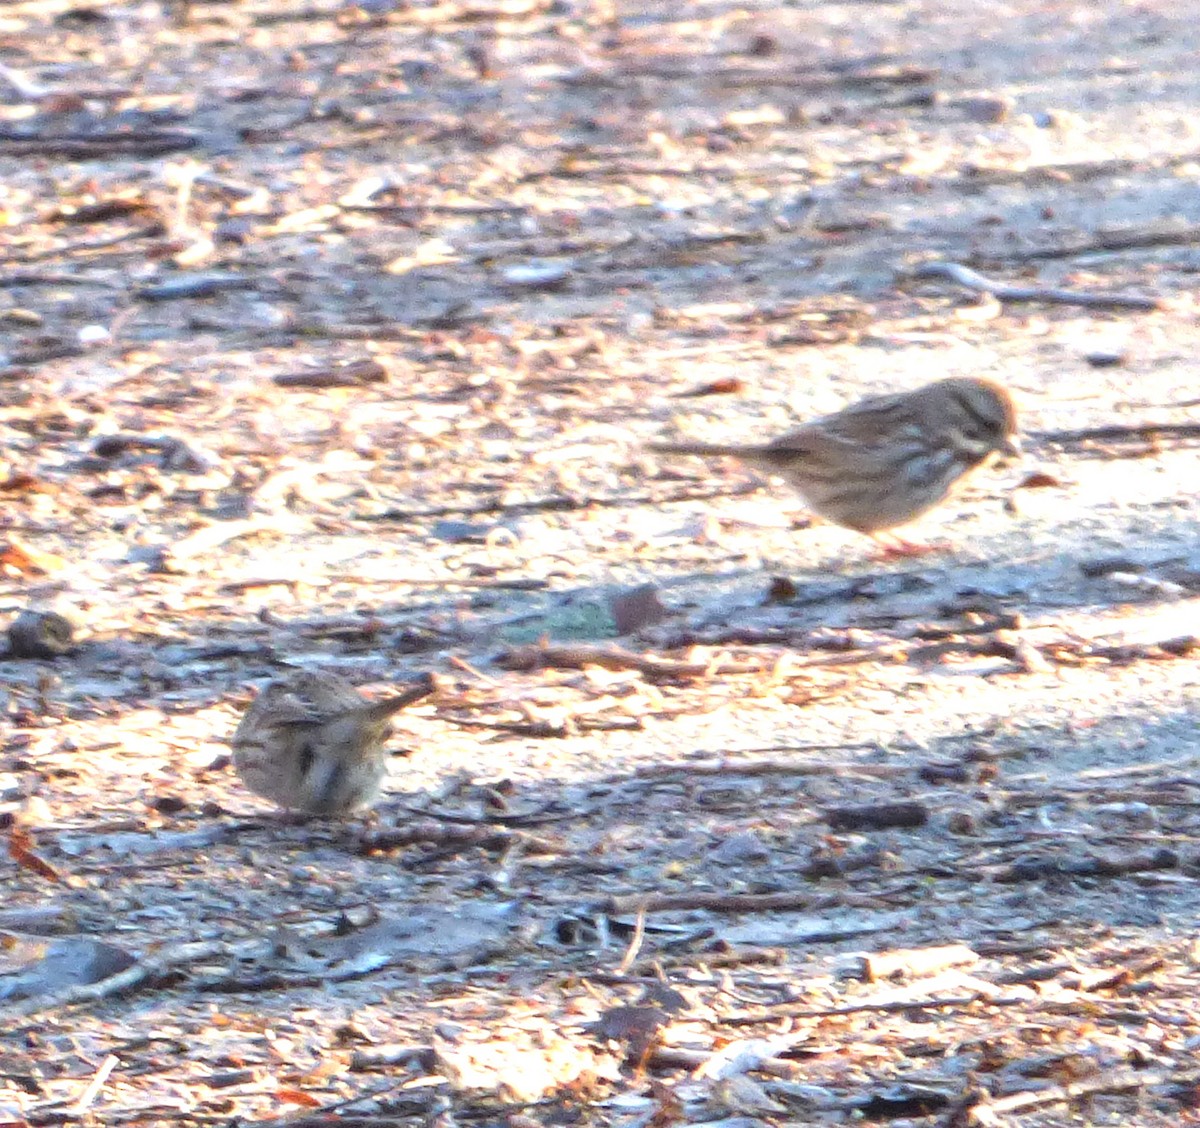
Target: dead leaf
(743,1055)
(636,1028)
(349,375)
(522,1064)
(17,559)
(1038,480)
(20,849)
(727,386)
(22,482)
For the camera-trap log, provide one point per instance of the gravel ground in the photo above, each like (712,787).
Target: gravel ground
(457,263)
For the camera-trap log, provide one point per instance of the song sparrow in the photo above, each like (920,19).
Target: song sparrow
(312,742)
(885,460)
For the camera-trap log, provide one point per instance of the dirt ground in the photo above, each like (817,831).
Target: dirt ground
(332,336)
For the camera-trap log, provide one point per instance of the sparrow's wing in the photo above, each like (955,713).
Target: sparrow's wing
(326,694)
(277,705)
(870,421)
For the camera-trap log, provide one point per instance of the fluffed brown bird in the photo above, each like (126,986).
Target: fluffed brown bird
(312,742)
(885,460)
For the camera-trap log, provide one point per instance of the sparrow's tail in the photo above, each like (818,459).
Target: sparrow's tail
(702,450)
(378,710)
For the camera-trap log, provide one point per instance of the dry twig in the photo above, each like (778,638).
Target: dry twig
(994,1112)
(978,283)
(579,656)
(721,902)
(147,970)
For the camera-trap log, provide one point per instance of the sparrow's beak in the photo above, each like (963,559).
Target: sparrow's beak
(1011,448)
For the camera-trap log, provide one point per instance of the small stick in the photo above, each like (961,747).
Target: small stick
(52,278)
(1113,241)
(420,210)
(144,143)
(485,837)
(696,1059)
(972,280)
(723,767)
(95,1084)
(1119,431)
(26,87)
(892,1006)
(530,818)
(519,584)
(720,960)
(393,1053)
(206,539)
(989,1112)
(556,503)
(578,656)
(466,667)
(552,730)
(914,961)
(166,960)
(720,902)
(877,816)
(635,943)
(1040,868)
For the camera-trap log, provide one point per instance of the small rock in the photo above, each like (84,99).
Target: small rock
(987,109)
(1105,565)
(1055,119)
(1105,358)
(744,847)
(20,316)
(1038,480)
(762,46)
(193,286)
(93,334)
(236,230)
(461,532)
(538,276)
(632,610)
(962,823)
(169,804)
(781,590)
(40,634)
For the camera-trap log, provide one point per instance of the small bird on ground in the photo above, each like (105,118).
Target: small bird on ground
(312,742)
(885,460)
